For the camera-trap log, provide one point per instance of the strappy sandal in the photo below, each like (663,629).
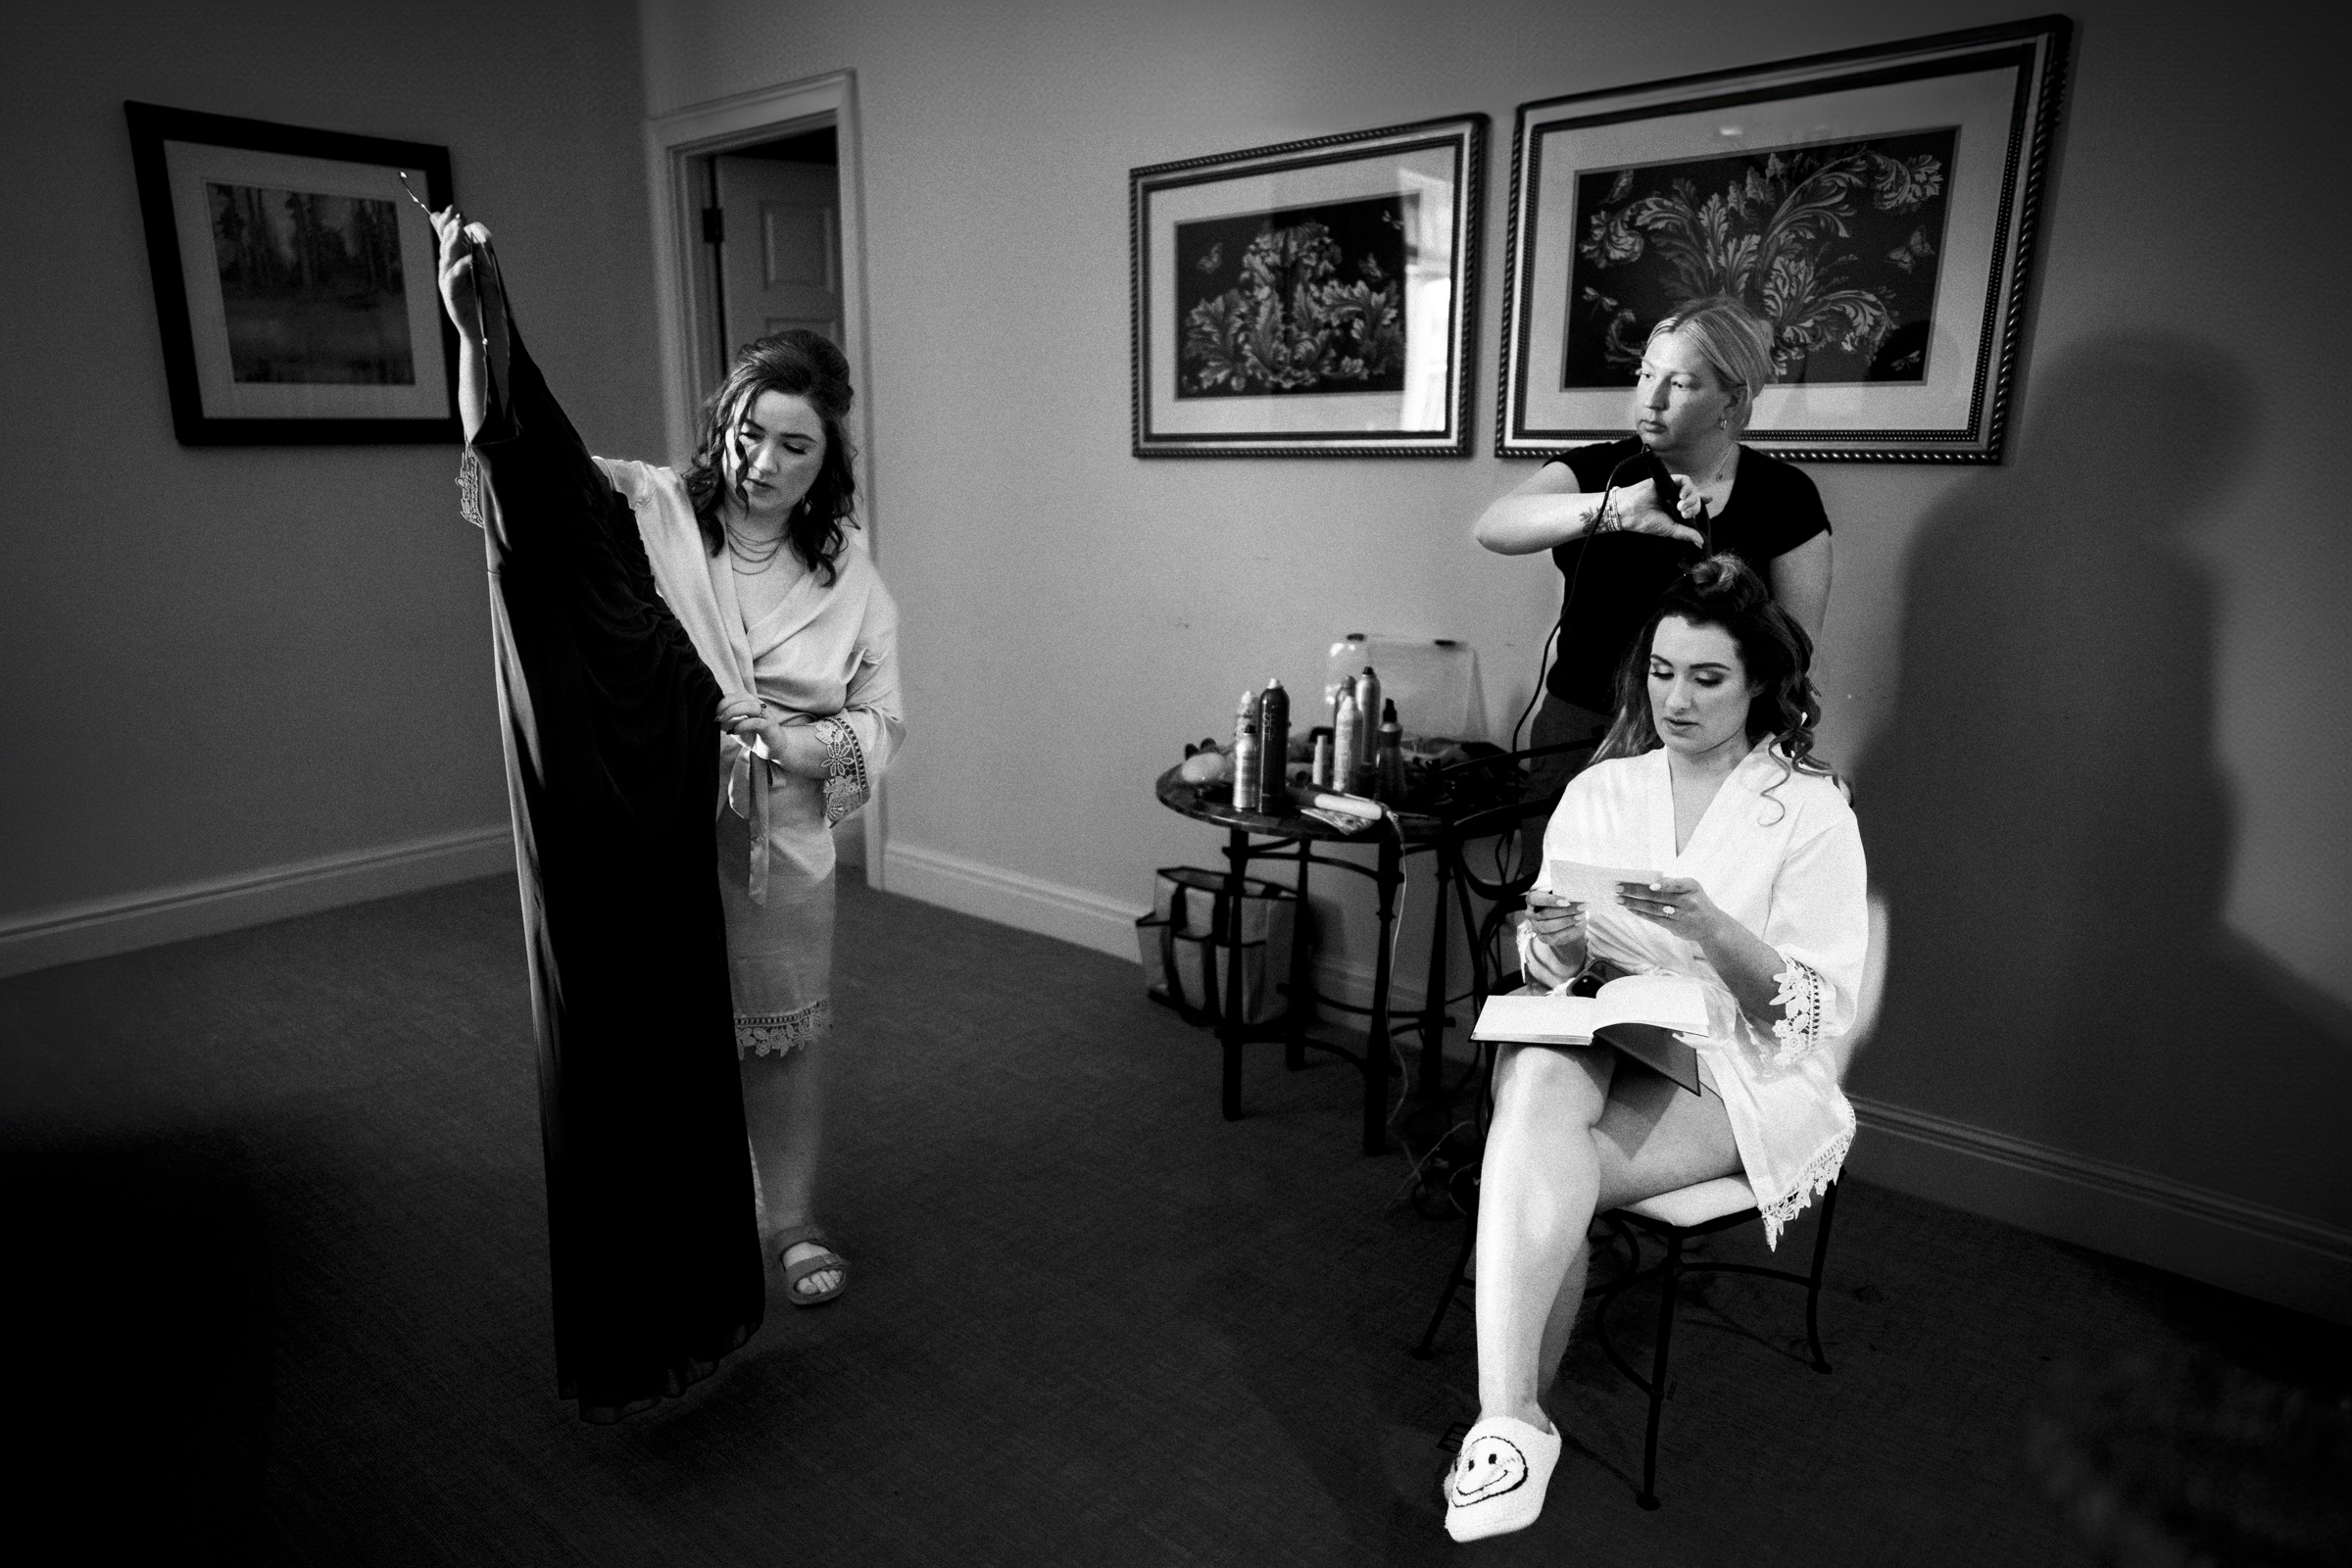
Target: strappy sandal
(785,1241)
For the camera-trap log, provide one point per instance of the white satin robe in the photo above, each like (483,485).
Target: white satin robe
(1780,852)
(829,652)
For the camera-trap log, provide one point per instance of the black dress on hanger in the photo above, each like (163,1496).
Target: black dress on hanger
(612,754)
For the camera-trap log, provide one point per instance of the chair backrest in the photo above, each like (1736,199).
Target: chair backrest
(1874,989)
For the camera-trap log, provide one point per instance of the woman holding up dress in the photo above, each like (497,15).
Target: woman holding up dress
(695,671)
(1758,890)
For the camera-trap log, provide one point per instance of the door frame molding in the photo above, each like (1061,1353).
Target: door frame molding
(672,141)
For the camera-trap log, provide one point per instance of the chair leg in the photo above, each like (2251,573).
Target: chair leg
(1426,1348)
(1821,1257)
(1669,1276)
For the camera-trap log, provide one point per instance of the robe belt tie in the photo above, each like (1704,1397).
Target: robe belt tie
(846,787)
(747,790)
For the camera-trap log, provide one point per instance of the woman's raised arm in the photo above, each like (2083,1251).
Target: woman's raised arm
(460,297)
(1549,508)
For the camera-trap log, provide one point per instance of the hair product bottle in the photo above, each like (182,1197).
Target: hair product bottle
(1388,765)
(1347,736)
(1274,749)
(1245,767)
(1244,724)
(1367,719)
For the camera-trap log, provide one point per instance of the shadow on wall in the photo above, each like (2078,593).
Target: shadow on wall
(2046,818)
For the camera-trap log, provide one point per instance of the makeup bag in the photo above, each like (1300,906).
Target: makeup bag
(1186,943)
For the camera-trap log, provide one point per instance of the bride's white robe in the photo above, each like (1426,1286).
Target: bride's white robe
(1781,852)
(827,655)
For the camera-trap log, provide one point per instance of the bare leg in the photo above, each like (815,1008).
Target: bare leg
(1538,1186)
(1572,1136)
(783,1109)
(1561,1322)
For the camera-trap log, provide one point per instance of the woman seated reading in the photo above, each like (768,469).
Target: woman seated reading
(1708,780)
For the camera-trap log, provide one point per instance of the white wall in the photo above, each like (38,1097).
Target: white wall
(246,681)
(2127,641)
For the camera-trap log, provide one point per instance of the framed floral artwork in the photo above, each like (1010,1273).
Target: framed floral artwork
(1312,298)
(1874,207)
(294,280)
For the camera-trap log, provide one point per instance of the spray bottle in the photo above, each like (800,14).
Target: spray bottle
(1244,753)
(1346,735)
(1387,766)
(1274,749)
(1367,719)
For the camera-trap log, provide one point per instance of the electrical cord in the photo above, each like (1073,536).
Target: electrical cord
(1412,1178)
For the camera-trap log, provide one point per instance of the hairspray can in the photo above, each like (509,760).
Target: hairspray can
(1367,719)
(1274,749)
(1388,763)
(1245,768)
(1346,735)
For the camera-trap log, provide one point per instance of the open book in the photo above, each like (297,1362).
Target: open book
(1641,1014)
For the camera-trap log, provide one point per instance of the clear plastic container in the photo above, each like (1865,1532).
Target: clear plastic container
(1434,682)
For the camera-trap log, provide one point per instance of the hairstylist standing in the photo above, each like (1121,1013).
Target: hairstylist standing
(1597,510)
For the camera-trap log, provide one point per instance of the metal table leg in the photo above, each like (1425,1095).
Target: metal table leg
(1229,1025)
(1376,1038)
(1433,1001)
(1296,1014)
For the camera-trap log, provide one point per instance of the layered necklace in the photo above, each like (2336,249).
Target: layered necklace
(758,559)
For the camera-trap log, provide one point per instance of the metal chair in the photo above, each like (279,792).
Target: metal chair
(1679,1217)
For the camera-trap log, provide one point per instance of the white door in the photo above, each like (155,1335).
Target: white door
(780,259)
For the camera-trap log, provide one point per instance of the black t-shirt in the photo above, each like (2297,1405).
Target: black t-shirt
(1614,581)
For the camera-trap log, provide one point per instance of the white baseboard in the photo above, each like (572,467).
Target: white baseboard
(102,926)
(2279,1257)
(1009,898)
(1056,910)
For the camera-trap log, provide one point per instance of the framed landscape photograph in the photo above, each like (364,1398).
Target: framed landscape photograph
(1313,299)
(294,281)
(1876,208)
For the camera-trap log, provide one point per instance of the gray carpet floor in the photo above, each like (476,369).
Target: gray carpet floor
(277,1293)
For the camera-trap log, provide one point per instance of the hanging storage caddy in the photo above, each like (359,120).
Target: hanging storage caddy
(1187,944)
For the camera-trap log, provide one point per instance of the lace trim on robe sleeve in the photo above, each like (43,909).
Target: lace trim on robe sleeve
(846,784)
(1798,1028)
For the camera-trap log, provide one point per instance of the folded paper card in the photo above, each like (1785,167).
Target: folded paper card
(1591,885)
(1643,1015)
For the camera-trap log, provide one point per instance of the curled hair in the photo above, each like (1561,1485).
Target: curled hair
(800,364)
(1723,591)
(1737,346)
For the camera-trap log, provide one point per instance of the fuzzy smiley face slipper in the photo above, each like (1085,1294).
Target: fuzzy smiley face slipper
(1498,1478)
